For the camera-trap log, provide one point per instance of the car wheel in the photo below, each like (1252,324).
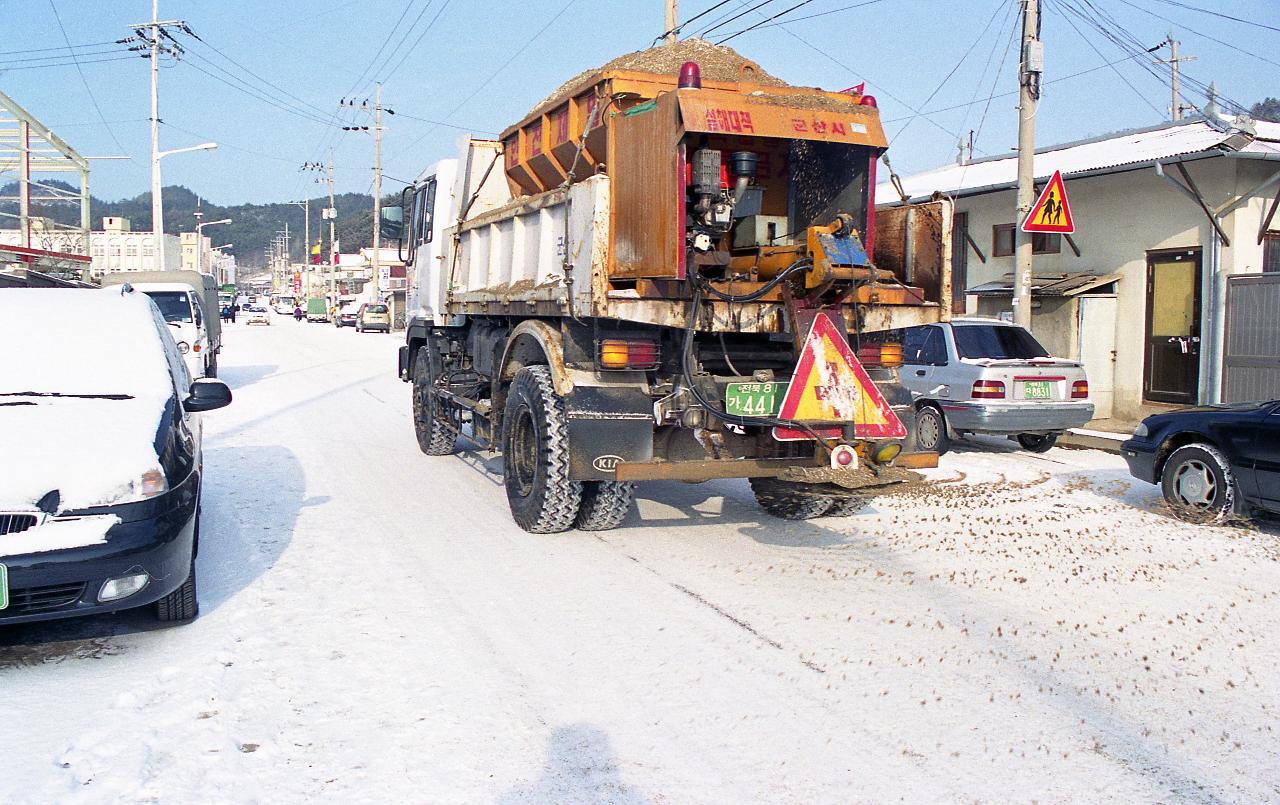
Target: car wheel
(931,430)
(1036,442)
(1198,484)
(181,604)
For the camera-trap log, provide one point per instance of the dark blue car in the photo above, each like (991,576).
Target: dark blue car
(100,480)
(1212,461)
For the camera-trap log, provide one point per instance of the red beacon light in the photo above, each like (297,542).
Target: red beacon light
(868,100)
(690,76)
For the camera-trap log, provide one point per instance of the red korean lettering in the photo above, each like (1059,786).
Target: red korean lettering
(746,123)
(819,127)
(838,128)
(799,125)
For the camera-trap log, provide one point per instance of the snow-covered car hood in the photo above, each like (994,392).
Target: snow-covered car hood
(91,451)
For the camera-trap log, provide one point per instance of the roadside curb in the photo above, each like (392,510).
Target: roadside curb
(1081,441)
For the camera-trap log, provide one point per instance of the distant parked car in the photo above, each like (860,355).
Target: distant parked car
(1211,461)
(990,377)
(373,317)
(101,476)
(255,314)
(345,317)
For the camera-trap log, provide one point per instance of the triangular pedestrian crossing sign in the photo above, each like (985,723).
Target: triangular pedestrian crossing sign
(1052,211)
(830,385)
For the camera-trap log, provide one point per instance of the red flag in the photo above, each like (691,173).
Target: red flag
(856,89)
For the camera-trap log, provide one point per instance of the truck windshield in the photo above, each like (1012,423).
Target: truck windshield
(999,342)
(174,305)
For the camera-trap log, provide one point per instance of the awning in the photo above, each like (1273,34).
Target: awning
(1047,285)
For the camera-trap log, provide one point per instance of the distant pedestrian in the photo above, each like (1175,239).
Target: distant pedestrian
(235,308)
(297,313)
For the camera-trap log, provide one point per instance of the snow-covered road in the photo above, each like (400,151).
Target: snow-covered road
(374,627)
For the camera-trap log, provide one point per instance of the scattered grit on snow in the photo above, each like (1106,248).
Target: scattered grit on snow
(84,379)
(373,627)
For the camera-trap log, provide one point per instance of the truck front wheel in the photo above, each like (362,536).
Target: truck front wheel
(535,447)
(437,433)
(787,500)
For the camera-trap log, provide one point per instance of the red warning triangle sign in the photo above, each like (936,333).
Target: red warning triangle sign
(830,385)
(1052,211)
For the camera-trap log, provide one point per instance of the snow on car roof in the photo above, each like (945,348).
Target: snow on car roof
(81,342)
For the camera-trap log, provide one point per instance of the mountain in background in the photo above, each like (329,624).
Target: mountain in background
(252,227)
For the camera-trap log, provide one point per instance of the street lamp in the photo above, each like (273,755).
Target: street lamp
(200,241)
(157,199)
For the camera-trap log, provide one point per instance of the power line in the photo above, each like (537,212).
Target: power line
(964,56)
(414,46)
(1203,35)
(723,23)
(498,71)
(65,64)
(680,27)
(71,56)
(391,54)
(253,92)
(770,19)
(378,53)
(1220,14)
(824,13)
(442,123)
(53,6)
(59,47)
(1067,5)
(187,30)
(1004,57)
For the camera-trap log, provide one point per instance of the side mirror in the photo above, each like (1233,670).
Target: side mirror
(207,395)
(391,225)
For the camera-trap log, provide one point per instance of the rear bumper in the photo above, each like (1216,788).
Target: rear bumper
(998,417)
(65,583)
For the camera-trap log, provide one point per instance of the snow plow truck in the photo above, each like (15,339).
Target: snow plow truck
(667,271)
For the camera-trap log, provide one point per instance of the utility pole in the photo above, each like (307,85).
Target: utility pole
(1030,68)
(377,192)
(673,20)
(157,204)
(1175,111)
(332,214)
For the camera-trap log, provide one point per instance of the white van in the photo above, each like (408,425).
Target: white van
(181,308)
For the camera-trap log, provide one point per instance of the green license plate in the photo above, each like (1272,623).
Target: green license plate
(1037,390)
(4,587)
(753,399)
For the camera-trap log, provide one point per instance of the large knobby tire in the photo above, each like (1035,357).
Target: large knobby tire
(605,504)
(437,433)
(1198,484)
(788,501)
(931,430)
(535,461)
(181,604)
(1037,443)
(845,507)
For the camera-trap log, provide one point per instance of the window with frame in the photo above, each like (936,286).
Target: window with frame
(1046,243)
(924,346)
(1003,240)
(114,249)
(99,250)
(1271,252)
(148,249)
(131,250)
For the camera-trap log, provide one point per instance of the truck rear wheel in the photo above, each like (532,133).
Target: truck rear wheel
(535,447)
(788,500)
(437,433)
(605,504)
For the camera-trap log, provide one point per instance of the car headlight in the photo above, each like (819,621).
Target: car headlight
(184,347)
(149,484)
(1141,430)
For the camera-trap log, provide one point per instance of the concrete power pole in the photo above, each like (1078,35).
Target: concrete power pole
(332,214)
(673,20)
(1032,65)
(377,191)
(157,204)
(1175,111)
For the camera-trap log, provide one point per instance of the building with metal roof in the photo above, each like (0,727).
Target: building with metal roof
(1148,290)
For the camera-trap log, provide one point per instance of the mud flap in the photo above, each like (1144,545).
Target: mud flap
(607,426)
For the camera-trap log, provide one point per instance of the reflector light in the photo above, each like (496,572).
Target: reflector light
(988,390)
(1080,390)
(887,453)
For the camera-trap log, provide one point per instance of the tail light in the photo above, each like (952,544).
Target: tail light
(1080,390)
(988,390)
(890,354)
(619,354)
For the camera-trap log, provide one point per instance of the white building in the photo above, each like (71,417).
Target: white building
(1171,221)
(113,248)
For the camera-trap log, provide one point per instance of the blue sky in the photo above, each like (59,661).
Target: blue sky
(315,52)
